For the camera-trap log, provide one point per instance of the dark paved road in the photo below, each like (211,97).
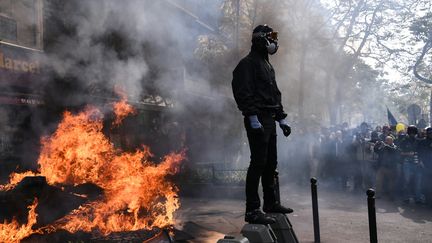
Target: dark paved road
(343,218)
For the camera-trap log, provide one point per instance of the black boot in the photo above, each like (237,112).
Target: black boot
(258,217)
(277,208)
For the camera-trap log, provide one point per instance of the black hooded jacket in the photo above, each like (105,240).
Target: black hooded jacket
(426,152)
(254,85)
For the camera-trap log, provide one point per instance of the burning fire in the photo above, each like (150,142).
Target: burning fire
(122,109)
(15,178)
(14,232)
(137,194)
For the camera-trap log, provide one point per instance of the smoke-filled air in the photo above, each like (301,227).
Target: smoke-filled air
(145,121)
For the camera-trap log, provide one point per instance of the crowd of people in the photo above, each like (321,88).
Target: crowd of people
(395,160)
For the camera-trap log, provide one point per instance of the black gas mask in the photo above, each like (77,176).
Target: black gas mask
(264,36)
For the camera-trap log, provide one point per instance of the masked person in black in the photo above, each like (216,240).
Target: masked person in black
(412,166)
(386,166)
(259,99)
(426,157)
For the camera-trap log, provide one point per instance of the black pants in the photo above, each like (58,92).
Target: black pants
(427,185)
(263,162)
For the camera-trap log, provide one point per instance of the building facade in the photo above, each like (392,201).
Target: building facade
(21,47)
(173,108)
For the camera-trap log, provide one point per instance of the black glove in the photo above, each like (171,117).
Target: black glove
(285,127)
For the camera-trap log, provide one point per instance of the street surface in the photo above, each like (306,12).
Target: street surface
(343,217)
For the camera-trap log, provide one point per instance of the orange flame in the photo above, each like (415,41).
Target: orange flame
(14,232)
(15,178)
(122,109)
(136,192)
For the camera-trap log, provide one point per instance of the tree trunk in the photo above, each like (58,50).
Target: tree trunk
(329,100)
(302,82)
(426,48)
(430,109)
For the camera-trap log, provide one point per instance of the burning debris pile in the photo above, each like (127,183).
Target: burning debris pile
(14,232)
(134,192)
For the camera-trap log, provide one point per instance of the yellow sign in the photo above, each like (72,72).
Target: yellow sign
(17,65)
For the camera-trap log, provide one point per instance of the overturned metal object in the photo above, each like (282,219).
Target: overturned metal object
(234,239)
(279,232)
(283,229)
(259,233)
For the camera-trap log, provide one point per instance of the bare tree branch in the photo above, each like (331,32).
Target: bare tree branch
(368,29)
(354,16)
(339,25)
(390,50)
(426,48)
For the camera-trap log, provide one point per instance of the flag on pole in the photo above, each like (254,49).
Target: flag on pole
(391,119)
